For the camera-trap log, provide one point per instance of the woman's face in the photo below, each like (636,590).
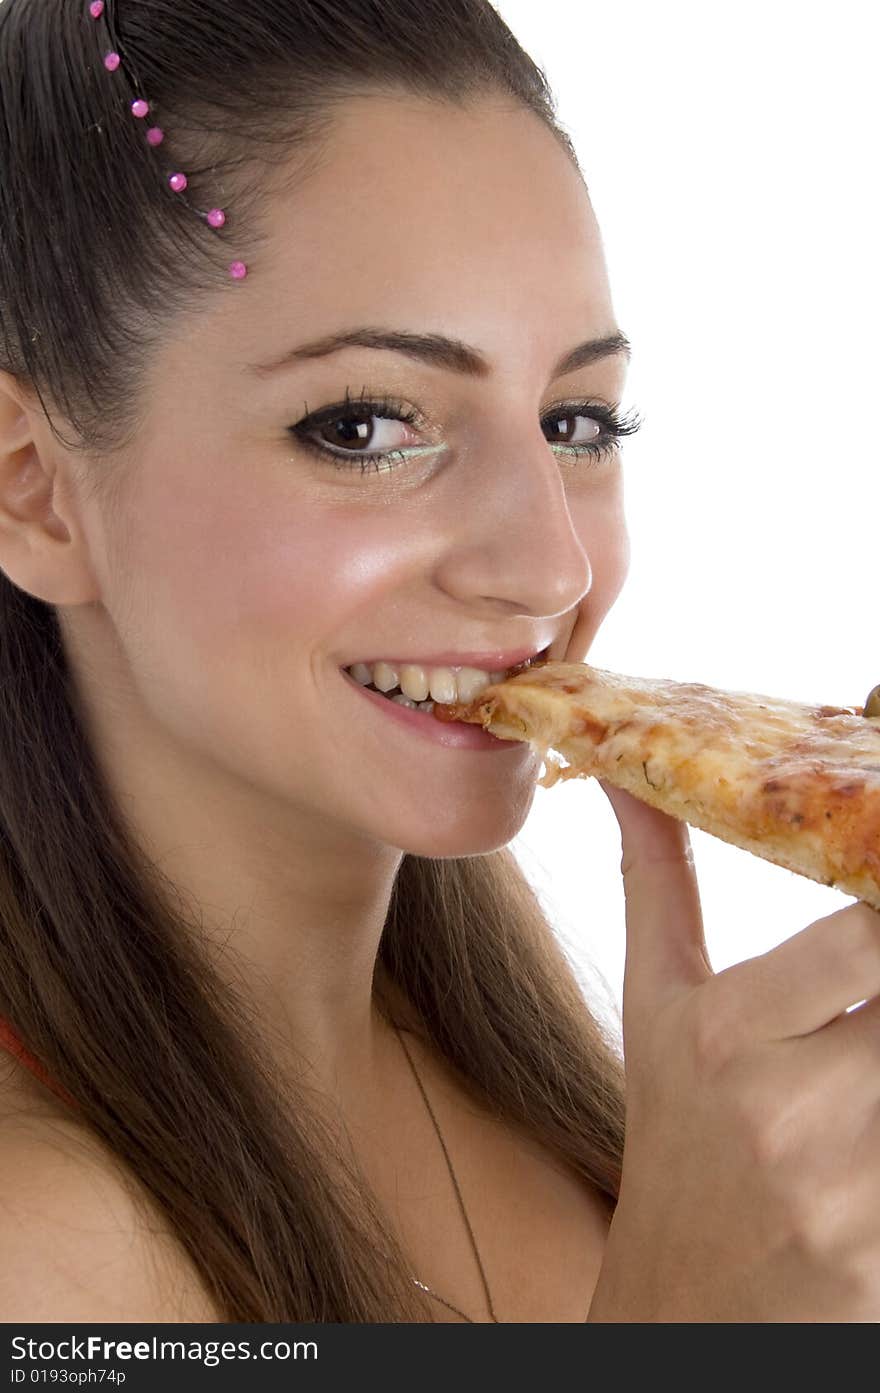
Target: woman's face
(240,571)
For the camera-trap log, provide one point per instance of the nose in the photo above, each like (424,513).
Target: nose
(515,544)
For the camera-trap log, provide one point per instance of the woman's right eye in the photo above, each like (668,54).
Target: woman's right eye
(350,424)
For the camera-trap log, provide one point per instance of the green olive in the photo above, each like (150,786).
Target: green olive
(872,702)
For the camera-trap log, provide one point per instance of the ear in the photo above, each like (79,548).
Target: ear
(43,547)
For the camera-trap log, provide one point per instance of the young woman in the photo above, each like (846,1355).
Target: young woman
(289,1037)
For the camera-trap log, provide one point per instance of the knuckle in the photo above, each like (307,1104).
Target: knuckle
(813,1215)
(861,1278)
(766,1123)
(714,1034)
(765,1146)
(821,1240)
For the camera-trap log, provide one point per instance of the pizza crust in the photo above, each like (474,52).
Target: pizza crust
(794,783)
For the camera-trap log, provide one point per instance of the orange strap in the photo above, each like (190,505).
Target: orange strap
(10,1041)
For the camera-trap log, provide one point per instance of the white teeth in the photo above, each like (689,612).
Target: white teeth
(471,682)
(441,681)
(414,682)
(418,683)
(405,701)
(385,677)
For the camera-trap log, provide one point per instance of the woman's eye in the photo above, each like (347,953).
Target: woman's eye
(372,434)
(381,434)
(364,435)
(590,430)
(577,428)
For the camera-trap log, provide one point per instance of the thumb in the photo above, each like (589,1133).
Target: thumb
(665,943)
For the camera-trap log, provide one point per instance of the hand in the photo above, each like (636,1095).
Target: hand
(751,1172)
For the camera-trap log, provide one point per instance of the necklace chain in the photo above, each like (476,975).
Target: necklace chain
(464,1215)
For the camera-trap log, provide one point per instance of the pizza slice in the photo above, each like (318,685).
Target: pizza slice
(796,784)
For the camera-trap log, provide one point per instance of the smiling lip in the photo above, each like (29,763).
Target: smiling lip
(487,662)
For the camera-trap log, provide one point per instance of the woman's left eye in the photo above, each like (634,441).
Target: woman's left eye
(348,423)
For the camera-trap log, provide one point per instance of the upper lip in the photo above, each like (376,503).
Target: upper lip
(487,662)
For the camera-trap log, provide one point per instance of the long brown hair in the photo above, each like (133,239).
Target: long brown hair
(101,963)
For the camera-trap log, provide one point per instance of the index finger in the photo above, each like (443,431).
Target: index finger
(665,941)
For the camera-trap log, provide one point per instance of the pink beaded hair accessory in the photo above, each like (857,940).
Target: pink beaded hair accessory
(177,182)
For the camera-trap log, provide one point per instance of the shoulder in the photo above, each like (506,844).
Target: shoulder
(80,1239)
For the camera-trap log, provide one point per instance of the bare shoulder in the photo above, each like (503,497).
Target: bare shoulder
(80,1239)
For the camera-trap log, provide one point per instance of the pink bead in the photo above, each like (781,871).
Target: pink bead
(96,9)
(155,135)
(111,62)
(238,270)
(217,217)
(139,108)
(178,182)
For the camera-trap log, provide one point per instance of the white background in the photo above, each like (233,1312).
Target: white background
(730,153)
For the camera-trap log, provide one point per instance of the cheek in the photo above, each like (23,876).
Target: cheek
(601,527)
(230,608)
(233,600)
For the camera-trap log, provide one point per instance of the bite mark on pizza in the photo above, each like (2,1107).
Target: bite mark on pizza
(795,783)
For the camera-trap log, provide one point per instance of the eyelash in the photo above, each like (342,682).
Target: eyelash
(615,427)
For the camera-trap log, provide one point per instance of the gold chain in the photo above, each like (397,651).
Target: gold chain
(460,1204)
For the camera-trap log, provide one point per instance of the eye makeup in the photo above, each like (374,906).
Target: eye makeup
(357,413)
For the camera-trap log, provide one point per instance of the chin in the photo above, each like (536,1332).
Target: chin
(472,833)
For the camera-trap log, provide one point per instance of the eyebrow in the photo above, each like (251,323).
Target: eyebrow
(437,351)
